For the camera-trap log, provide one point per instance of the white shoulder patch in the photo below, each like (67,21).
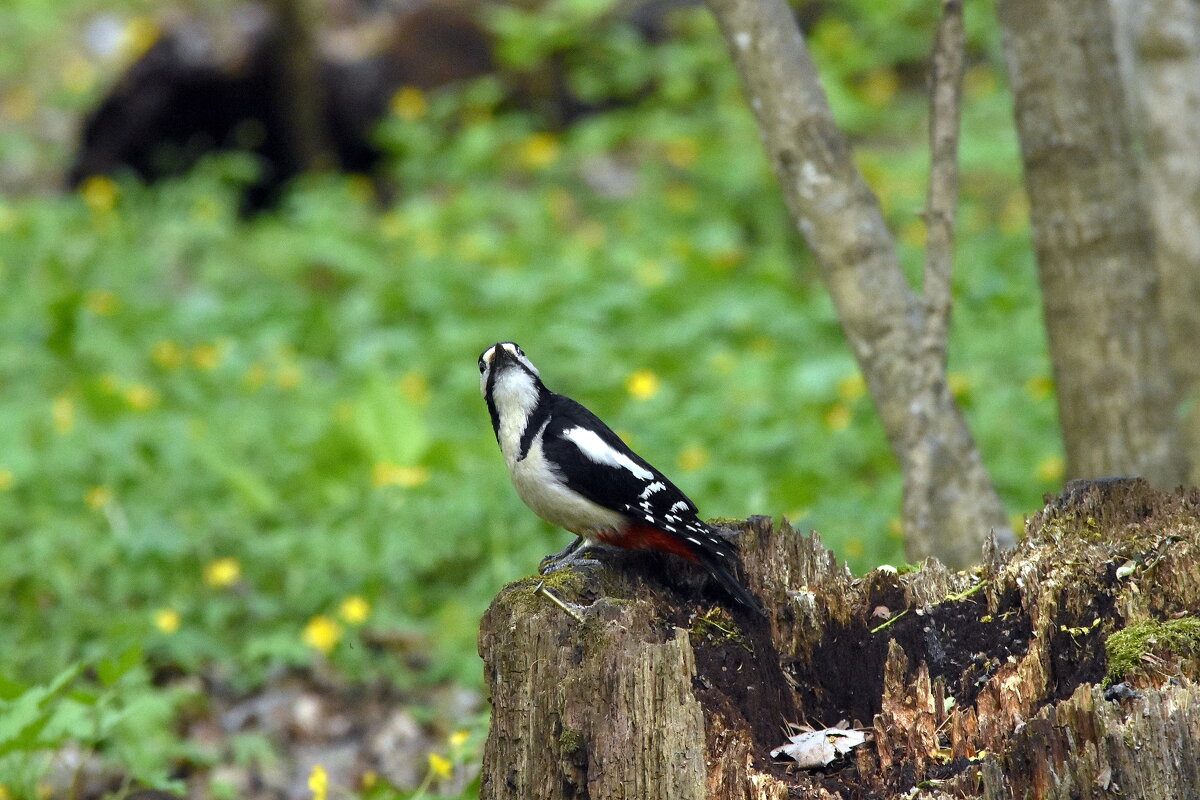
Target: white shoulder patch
(592,446)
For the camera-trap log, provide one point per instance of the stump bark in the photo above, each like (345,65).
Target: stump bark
(982,684)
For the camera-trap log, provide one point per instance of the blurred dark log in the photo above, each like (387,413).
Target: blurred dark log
(981,684)
(297,92)
(303,96)
(253,85)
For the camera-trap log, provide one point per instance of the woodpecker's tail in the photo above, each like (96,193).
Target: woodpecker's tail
(719,556)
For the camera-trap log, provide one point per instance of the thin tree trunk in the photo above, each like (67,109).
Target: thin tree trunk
(1094,241)
(1162,39)
(950,502)
(298,95)
(987,682)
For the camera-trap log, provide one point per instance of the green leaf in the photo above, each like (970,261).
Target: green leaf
(22,719)
(111,670)
(389,426)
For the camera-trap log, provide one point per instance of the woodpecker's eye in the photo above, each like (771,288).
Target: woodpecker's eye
(482,366)
(520,352)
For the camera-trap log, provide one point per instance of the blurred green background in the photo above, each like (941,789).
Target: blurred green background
(232,446)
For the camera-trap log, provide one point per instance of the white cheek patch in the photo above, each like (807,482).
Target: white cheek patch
(594,448)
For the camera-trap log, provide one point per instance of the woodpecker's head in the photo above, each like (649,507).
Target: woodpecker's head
(510,384)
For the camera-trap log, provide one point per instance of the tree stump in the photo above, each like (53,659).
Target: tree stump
(982,684)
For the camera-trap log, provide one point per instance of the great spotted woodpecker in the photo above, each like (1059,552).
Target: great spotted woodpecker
(574,472)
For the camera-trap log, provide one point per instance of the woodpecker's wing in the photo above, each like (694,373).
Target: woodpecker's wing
(593,461)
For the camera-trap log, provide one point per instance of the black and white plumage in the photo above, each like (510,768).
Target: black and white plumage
(574,472)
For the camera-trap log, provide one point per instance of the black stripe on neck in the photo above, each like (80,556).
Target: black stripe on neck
(537,421)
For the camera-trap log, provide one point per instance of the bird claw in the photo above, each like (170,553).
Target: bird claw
(558,561)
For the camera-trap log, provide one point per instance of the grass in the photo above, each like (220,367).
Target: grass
(235,445)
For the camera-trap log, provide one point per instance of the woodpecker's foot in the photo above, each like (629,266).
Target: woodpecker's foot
(572,556)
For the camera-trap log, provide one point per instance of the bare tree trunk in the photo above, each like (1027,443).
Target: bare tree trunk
(298,95)
(1095,245)
(1163,55)
(988,682)
(950,502)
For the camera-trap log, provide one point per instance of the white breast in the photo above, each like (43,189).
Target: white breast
(540,487)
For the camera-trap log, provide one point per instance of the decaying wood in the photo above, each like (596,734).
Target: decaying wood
(979,684)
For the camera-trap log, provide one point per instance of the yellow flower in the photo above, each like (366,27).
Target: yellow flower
(139,35)
(98,497)
(415,387)
(651,273)
(642,384)
(914,233)
(693,458)
(682,152)
(428,243)
(141,397)
(166,354)
(77,73)
(63,412)
(1014,216)
(166,620)
(1040,387)
(6,479)
(318,782)
(852,387)
(206,209)
(101,302)
(360,188)
(222,572)
(392,225)
(1051,469)
(728,258)
(839,417)
(289,375)
(206,356)
(255,377)
(354,609)
(879,86)
(100,193)
(459,738)
(369,779)
(440,766)
(409,103)
(681,197)
(322,633)
(539,150)
(979,80)
(386,473)
(958,384)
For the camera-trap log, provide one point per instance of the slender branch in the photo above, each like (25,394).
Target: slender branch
(932,395)
(940,207)
(950,503)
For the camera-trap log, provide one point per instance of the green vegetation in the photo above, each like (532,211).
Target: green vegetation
(232,446)
(1132,648)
